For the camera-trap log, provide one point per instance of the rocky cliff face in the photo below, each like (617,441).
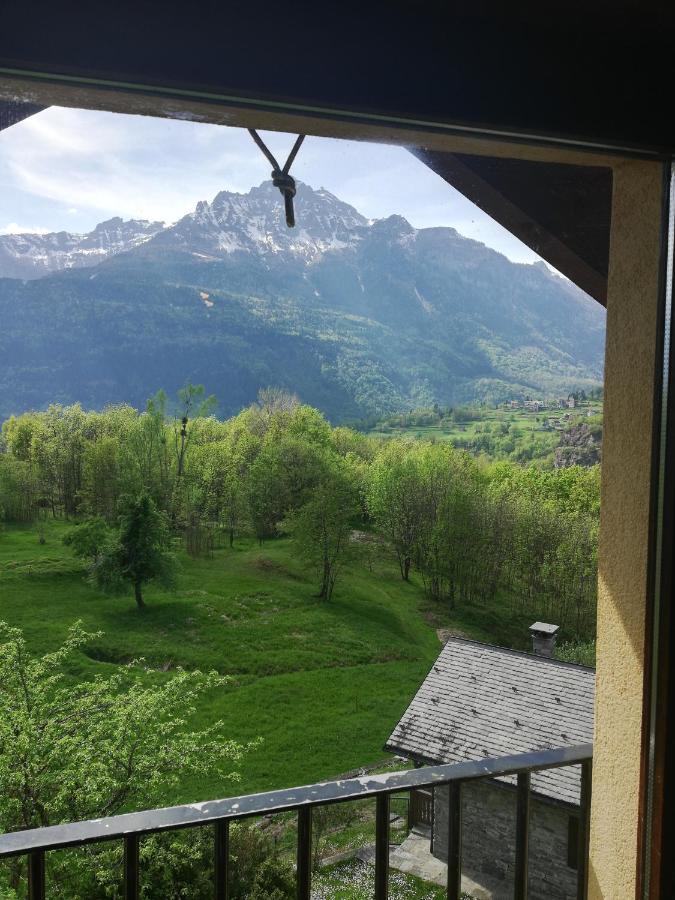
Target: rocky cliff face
(29,256)
(580,445)
(253,223)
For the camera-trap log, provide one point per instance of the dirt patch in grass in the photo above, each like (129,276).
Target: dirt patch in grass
(265,564)
(444,634)
(271,567)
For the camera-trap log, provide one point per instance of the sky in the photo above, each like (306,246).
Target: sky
(68,170)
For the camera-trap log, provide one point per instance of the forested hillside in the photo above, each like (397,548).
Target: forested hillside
(475,533)
(356,316)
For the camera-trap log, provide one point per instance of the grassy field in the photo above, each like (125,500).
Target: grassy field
(516,434)
(322,684)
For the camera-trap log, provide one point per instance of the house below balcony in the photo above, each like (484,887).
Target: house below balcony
(480,701)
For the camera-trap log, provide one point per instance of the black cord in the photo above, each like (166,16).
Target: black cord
(280,177)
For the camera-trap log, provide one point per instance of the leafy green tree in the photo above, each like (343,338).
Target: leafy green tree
(71,752)
(221,469)
(257,872)
(192,404)
(281,479)
(146,457)
(89,539)
(19,490)
(137,552)
(395,499)
(102,484)
(321,527)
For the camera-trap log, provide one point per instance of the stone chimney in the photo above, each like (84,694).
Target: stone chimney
(543,638)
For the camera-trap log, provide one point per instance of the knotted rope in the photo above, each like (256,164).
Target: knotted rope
(280,177)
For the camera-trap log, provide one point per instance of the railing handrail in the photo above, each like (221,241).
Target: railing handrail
(55,837)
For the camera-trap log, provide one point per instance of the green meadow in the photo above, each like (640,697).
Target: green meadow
(518,435)
(322,684)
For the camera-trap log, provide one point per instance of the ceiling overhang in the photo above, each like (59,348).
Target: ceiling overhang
(562,212)
(596,74)
(12,112)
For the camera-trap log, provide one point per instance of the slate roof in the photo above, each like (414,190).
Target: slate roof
(482,701)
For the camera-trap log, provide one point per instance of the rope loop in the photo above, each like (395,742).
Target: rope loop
(280,177)
(283,181)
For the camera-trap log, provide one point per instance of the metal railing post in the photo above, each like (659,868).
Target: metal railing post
(221,859)
(522,836)
(382,847)
(454,840)
(131,880)
(304,857)
(32,844)
(36,875)
(584,829)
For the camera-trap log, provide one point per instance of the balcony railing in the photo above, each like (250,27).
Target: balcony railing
(218,814)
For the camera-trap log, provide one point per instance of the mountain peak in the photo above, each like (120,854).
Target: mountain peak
(254,222)
(30,256)
(358,316)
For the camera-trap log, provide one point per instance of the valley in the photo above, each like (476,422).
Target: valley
(524,436)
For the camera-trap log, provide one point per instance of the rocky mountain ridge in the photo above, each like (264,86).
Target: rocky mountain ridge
(27,256)
(357,316)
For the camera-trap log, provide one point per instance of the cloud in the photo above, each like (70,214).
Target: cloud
(79,167)
(15,228)
(124,165)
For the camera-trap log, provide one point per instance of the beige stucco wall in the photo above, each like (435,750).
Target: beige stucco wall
(629,389)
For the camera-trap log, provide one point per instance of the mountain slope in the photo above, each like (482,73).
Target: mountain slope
(355,316)
(35,255)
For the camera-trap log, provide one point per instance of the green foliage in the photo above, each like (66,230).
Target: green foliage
(395,500)
(18,490)
(70,752)
(130,556)
(141,552)
(89,539)
(257,871)
(472,530)
(580,652)
(321,527)
(526,437)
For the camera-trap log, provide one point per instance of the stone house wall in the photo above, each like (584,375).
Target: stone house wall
(489,841)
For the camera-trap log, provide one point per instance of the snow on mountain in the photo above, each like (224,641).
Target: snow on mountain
(29,256)
(255,223)
(357,316)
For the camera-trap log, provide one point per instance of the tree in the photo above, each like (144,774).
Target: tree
(322,526)
(258,872)
(395,499)
(101,477)
(281,479)
(71,752)
(137,552)
(193,404)
(146,458)
(220,470)
(19,490)
(90,539)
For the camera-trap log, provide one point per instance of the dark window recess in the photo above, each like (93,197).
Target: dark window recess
(573,842)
